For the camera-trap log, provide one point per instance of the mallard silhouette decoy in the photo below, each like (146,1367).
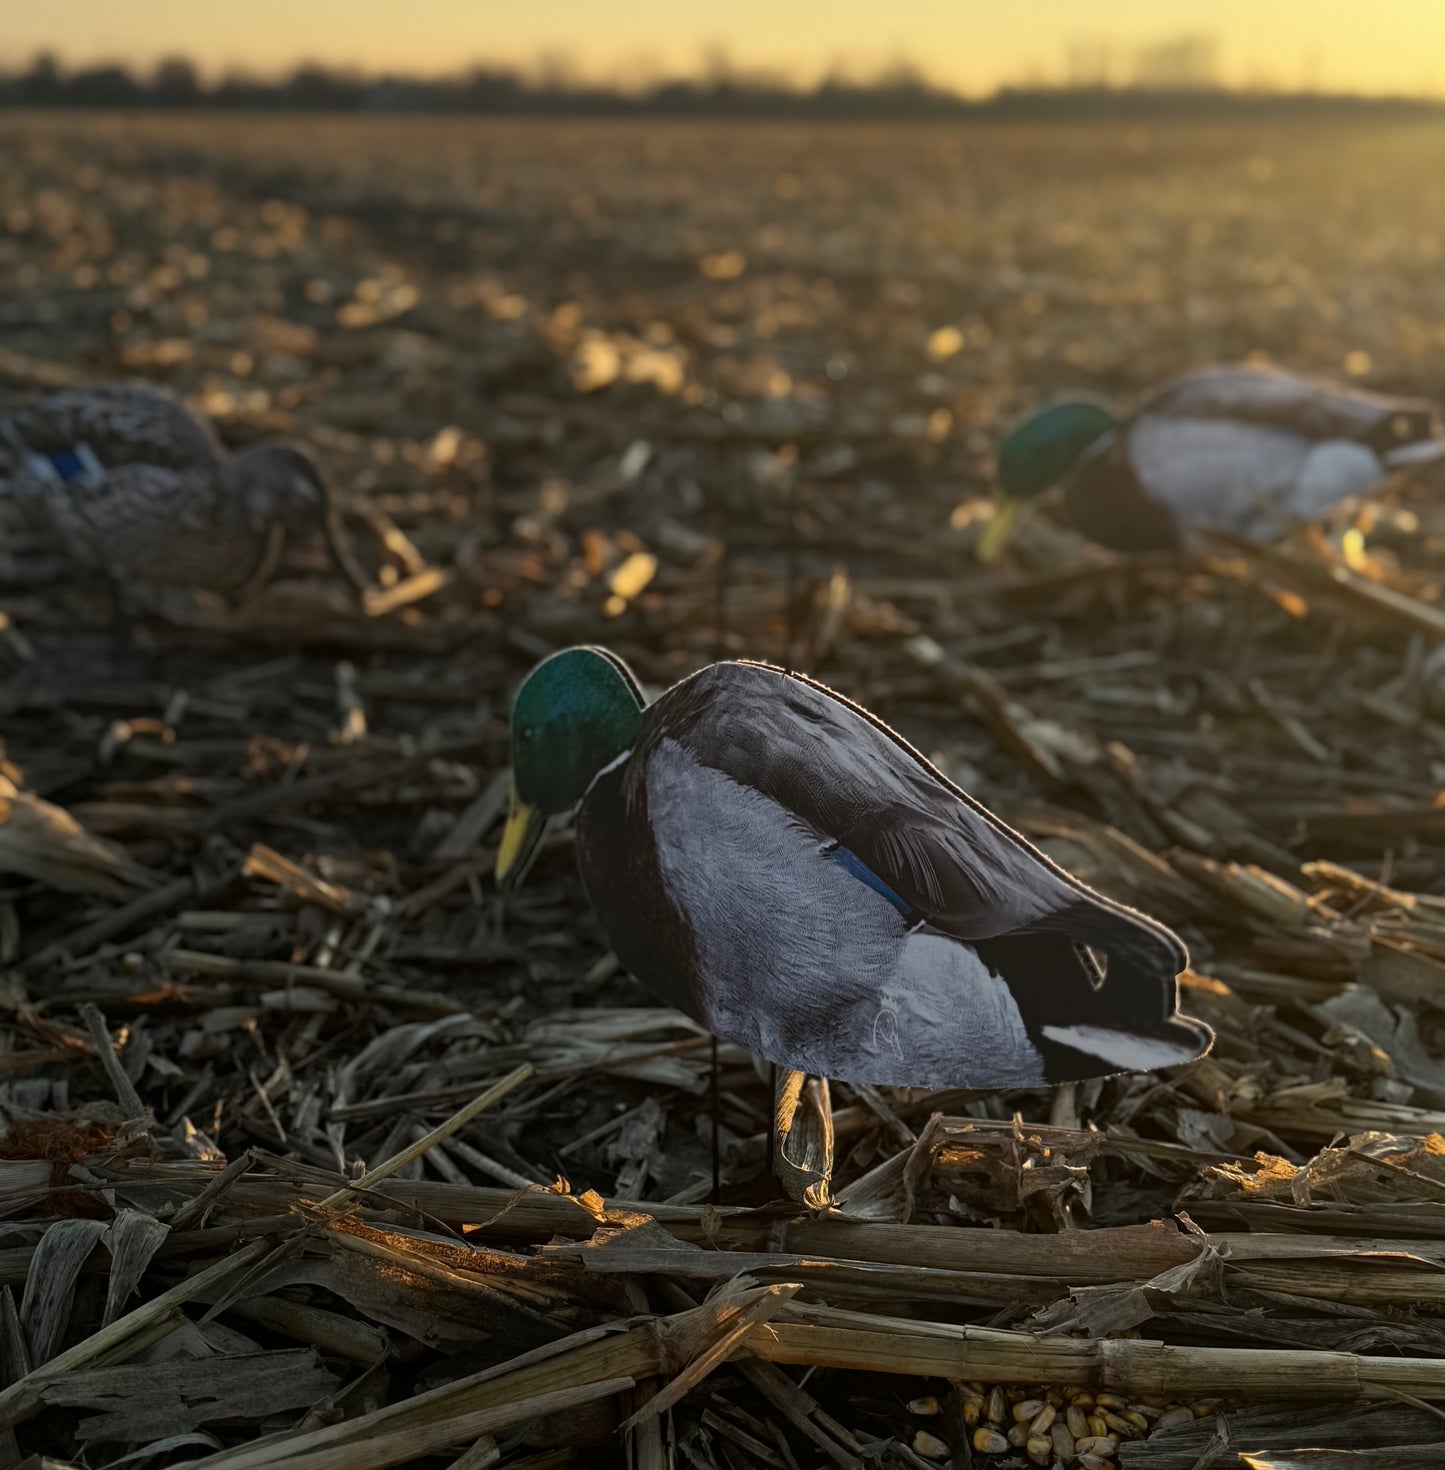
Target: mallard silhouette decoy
(130,485)
(1236,449)
(776,862)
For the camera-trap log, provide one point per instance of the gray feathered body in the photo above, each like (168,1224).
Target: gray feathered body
(144,523)
(125,482)
(122,424)
(781,866)
(1245,450)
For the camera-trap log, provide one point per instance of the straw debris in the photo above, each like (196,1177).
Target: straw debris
(315,1154)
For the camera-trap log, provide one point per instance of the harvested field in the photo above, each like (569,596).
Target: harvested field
(318,1153)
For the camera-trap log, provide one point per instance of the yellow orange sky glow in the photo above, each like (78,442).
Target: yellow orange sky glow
(974,45)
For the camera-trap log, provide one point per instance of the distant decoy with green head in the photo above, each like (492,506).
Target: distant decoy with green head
(1239,449)
(776,862)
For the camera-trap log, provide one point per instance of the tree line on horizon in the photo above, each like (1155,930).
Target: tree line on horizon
(898,92)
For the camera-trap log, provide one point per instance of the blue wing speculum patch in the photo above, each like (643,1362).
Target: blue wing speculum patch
(67,464)
(77,465)
(851,863)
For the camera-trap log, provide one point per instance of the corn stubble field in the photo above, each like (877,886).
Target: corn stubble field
(690,390)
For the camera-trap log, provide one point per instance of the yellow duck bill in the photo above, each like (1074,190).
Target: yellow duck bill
(999,530)
(520,839)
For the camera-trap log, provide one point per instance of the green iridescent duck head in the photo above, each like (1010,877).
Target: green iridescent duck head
(1038,455)
(576,713)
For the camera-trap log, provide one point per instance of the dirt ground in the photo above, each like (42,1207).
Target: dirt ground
(695,390)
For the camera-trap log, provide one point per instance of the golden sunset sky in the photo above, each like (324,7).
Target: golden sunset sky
(973,45)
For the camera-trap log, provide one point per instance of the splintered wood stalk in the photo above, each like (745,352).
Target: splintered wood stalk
(304,886)
(253,954)
(442,1131)
(22,1399)
(381,1451)
(765,1307)
(826,1337)
(109,1059)
(658,1347)
(803,1130)
(272,973)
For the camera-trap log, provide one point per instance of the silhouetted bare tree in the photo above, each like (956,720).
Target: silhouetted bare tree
(175,83)
(1176,75)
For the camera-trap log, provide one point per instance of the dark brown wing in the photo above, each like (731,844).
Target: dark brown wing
(120,424)
(850,779)
(1314,410)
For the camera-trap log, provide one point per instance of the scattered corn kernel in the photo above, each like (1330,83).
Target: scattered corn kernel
(1097,1425)
(973,1410)
(1085,1401)
(1121,1426)
(929,1446)
(1078,1421)
(1027,1409)
(1134,1417)
(1093,1462)
(924,1407)
(1040,1451)
(1064,1447)
(1041,1421)
(1017,1434)
(1202,1407)
(989,1442)
(1110,1400)
(996,1405)
(1172,1418)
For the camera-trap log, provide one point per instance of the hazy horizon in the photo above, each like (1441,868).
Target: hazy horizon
(973,46)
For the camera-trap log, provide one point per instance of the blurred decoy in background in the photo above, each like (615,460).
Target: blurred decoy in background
(1237,449)
(43,842)
(130,485)
(777,863)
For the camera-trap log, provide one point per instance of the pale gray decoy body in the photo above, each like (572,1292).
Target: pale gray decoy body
(1244,450)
